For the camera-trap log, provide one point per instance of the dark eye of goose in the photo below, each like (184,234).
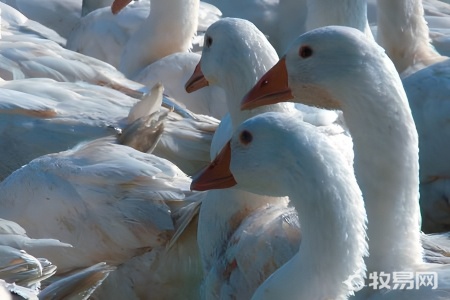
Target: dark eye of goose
(209,41)
(305,51)
(245,137)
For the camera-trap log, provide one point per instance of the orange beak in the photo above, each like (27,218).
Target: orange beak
(270,89)
(118,5)
(217,175)
(197,80)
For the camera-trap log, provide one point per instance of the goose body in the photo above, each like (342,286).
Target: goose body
(319,269)
(75,190)
(113,204)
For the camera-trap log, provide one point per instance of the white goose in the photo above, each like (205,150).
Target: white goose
(227,232)
(113,204)
(306,167)
(235,54)
(377,113)
(405,38)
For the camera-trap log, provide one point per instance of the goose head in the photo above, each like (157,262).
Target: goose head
(235,54)
(250,159)
(318,68)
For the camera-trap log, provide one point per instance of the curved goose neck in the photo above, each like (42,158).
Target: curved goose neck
(351,13)
(333,235)
(386,164)
(169,28)
(403,32)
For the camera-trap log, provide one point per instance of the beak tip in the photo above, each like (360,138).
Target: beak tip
(196,81)
(188,87)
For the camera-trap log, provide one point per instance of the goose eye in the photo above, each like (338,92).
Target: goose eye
(245,137)
(209,41)
(305,51)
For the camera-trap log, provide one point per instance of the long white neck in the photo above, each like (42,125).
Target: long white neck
(404,34)
(330,258)
(169,28)
(351,13)
(386,164)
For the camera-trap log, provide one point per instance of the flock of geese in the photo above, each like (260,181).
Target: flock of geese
(257,149)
